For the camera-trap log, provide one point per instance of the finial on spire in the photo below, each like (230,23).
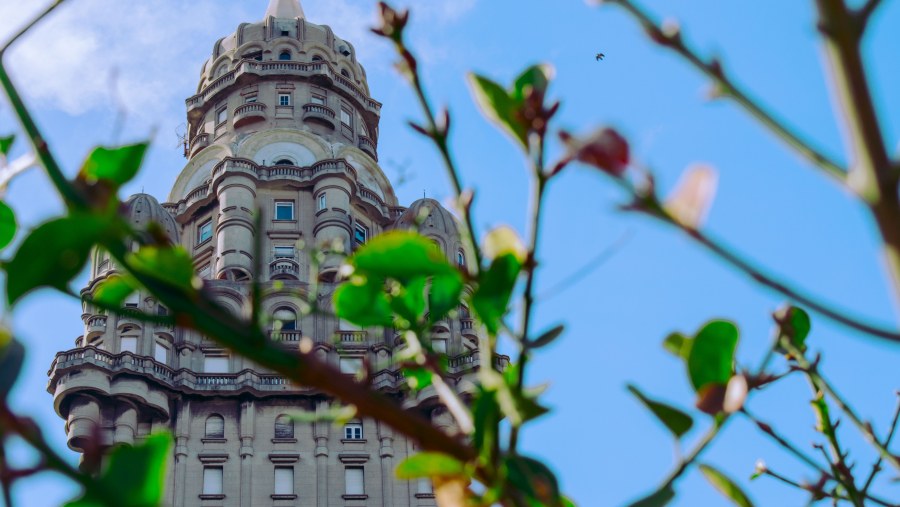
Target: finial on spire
(284,9)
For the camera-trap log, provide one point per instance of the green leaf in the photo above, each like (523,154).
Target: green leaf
(794,325)
(417,378)
(711,359)
(172,265)
(134,476)
(443,296)
(430,464)
(658,498)
(497,105)
(726,486)
(6,143)
(12,354)
(547,337)
(362,303)
(53,254)
(486,416)
(408,301)
(7,224)
(495,287)
(678,345)
(677,421)
(535,78)
(533,479)
(114,290)
(116,165)
(401,255)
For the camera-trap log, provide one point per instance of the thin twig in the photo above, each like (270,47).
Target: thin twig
(812,372)
(865,12)
(762,278)
(783,442)
(588,267)
(537,206)
(727,87)
(38,142)
(887,442)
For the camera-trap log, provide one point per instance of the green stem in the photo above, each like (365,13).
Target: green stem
(817,379)
(38,142)
(528,298)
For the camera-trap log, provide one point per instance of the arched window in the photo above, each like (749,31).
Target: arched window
(234,275)
(460,258)
(284,161)
(345,73)
(215,426)
(284,55)
(284,427)
(316,58)
(285,319)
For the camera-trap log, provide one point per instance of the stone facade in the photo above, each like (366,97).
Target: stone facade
(282,123)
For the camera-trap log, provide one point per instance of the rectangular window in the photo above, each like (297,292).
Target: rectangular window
(215,364)
(322,202)
(439,345)
(285,33)
(317,99)
(128,344)
(250,99)
(161,353)
(284,99)
(353,431)
(284,210)
(284,480)
(360,234)
(345,117)
(424,487)
(221,115)
(284,252)
(204,231)
(351,365)
(212,481)
(354,481)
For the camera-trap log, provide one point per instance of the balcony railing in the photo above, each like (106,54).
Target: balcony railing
(320,113)
(96,326)
(199,142)
(284,267)
(352,337)
(314,70)
(286,335)
(368,146)
(246,114)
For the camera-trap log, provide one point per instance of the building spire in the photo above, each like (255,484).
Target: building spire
(284,9)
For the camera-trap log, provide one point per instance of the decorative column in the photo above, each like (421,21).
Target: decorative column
(182,433)
(126,423)
(386,437)
(320,433)
(248,420)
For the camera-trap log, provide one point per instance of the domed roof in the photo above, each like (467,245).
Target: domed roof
(285,9)
(141,209)
(426,215)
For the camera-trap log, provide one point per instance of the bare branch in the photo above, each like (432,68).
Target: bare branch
(864,14)
(725,86)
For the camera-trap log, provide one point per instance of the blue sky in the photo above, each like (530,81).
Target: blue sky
(771,205)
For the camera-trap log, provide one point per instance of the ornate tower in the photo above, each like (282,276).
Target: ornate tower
(282,123)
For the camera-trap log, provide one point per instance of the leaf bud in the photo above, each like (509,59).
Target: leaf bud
(605,149)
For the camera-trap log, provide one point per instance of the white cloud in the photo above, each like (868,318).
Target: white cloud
(152,50)
(68,61)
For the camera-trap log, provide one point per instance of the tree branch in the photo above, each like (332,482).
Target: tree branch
(673,40)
